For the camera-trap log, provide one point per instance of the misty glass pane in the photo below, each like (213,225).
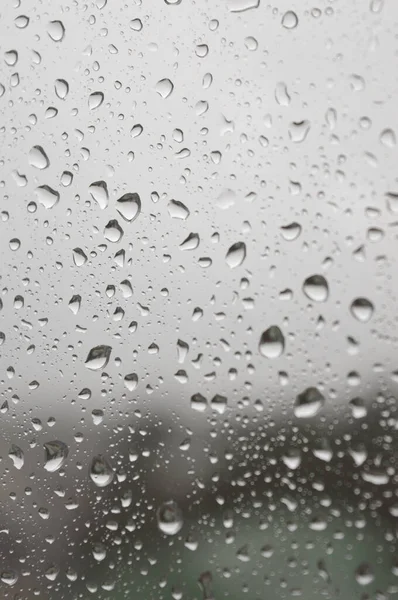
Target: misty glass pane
(198,299)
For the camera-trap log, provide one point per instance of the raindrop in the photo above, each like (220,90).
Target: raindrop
(362,309)
(191,242)
(61,88)
(113,232)
(272,342)
(308,403)
(316,288)
(101,473)
(56,31)
(178,210)
(242,5)
(281,94)
(79,257)
(11,58)
(22,21)
(289,20)
(9,578)
(98,357)
(95,100)
(38,158)
(364,574)
(17,456)
(47,196)
(236,255)
(169,518)
(164,88)
(129,206)
(291,232)
(388,138)
(55,455)
(298,131)
(131,381)
(99,193)
(74,303)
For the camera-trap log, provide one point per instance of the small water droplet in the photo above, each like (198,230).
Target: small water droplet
(99,193)
(56,453)
(79,257)
(101,473)
(17,456)
(316,288)
(164,88)
(236,255)
(113,232)
(298,131)
(281,94)
(98,357)
(95,100)
(364,574)
(191,242)
(56,31)
(308,403)
(38,158)
(46,196)
(272,342)
(129,206)
(131,381)
(291,232)
(290,20)
(61,88)
(169,518)
(362,309)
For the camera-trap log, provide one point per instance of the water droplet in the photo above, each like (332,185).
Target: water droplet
(47,196)
(291,232)
(242,5)
(11,58)
(316,288)
(191,242)
(95,100)
(362,309)
(38,158)
(129,206)
(99,193)
(364,574)
(21,21)
(281,94)
(101,473)
(298,131)
(61,88)
(289,20)
(177,210)
(388,138)
(74,303)
(251,43)
(219,403)
(169,518)
(173,2)
(272,342)
(198,402)
(131,381)
(98,357)
(236,255)
(164,88)
(113,232)
(308,403)
(56,31)
(9,578)
(56,453)
(17,456)
(79,257)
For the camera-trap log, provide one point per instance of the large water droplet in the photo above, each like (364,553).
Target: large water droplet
(272,342)
(113,232)
(316,288)
(236,255)
(169,518)
(291,232)
(308,403)
(290,20)
(129,206)
(38,158)
(131,381)
(101,472)
(362,309)
(79,257)
(99,193)
(56,453)
(17,456)
(95,100)
(191,242)
(9,578)
(164,88)
(281,94)
(178,210)
(61,88)
(56,31)
(298,131)
(242,5)
(364,574)
(47,196)
(98,357)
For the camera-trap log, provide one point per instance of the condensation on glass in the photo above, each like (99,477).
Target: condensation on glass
(198,325)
